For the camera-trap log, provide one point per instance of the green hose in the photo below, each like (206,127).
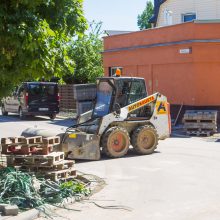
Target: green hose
(18,188)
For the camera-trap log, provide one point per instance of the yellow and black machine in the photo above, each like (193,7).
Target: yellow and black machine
(123,116)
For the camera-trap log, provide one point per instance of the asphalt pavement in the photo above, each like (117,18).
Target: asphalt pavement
(180,181)
(11,125)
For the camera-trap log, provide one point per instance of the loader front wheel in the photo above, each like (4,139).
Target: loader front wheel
(144,139)
(115,142)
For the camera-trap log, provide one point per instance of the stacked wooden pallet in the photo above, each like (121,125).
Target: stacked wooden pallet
(67,101)
(35,154)
(201,122)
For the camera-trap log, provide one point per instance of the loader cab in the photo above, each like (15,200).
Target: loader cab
(117,91)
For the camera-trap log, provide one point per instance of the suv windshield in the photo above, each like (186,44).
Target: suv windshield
(103,99)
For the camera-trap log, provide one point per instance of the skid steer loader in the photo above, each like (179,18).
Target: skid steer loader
(123,115)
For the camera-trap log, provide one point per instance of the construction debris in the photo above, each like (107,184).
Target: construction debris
(19,188)
(10,210)
(202,122)
(35,175)
(34,154)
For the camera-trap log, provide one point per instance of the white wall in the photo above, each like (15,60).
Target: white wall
(204,9)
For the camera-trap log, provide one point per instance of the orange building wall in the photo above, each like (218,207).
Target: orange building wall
(189,79)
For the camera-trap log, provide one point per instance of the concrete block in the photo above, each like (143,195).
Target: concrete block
(10,210)
(2,206)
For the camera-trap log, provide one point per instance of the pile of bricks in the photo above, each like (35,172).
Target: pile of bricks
(201,122)
(67,101)
(35,154)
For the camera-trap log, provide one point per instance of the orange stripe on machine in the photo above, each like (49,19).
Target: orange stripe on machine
(140,103)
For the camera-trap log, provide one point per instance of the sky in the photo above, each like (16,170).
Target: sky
(115,14)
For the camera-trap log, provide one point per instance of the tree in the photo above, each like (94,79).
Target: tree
(34,39)
(143,19)
(86,52)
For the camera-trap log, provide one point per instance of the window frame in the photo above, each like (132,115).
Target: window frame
(188,14)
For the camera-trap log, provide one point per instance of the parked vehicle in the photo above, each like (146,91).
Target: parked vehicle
(123,114)
(33,98)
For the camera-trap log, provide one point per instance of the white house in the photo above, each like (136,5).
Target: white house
(168,12)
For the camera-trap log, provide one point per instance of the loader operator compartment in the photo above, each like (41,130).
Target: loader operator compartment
(121,92)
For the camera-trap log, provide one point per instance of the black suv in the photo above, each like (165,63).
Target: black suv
(33,98)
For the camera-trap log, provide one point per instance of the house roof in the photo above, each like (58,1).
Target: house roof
(157,4)
(115,32)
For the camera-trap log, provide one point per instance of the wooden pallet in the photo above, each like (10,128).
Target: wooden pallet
(199,133)
(27,149)
(210,121)
(200,115)
(30,140)
(199,125)
(61,165)
(28,146)
(202,122)
(37,160)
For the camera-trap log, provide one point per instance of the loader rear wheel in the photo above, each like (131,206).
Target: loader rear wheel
(115,142)
(144,139)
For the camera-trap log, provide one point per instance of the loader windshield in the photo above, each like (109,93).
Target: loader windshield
(103,99)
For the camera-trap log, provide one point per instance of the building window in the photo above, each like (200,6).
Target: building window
(168,17)
(112,70)
(188,17)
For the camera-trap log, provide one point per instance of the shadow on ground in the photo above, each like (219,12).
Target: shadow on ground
(64,122)
(130,154)
(15,118)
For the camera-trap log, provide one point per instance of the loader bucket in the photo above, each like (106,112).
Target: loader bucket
(81,145)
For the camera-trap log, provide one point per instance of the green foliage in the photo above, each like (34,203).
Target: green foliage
(143,19)
(72,187)
(34,39)
(86,52)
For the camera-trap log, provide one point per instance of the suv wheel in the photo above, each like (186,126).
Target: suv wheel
(52,116)
(4,112)
(21,114)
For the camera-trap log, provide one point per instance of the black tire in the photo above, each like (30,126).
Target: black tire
(52,116)
(4,112)
(144,140)
(21,114)
(115,142)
